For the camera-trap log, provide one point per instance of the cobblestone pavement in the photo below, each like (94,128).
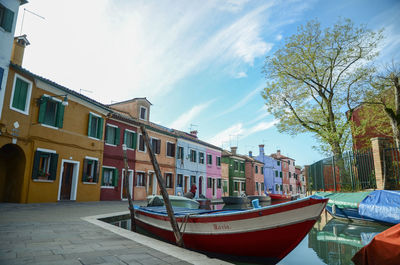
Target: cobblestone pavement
(54,233)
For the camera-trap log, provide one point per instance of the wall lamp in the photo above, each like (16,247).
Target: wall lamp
(64,102)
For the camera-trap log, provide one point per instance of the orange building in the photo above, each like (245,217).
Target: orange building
(51,139)
(163,142)
(254,171)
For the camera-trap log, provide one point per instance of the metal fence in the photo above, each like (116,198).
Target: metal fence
(391,167)
(351,171)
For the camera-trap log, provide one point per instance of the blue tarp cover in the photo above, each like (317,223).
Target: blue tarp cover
(381,205)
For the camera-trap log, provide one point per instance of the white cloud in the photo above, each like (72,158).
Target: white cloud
(241,75)
(186,118)
(259,117)
(226,135)
(262,126)
(279,37)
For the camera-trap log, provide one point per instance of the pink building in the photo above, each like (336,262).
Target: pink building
(213,171)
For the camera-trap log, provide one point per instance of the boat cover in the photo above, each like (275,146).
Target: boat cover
(382,205)
(345,199)
(383,249)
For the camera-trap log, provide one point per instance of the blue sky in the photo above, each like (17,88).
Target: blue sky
(198,62)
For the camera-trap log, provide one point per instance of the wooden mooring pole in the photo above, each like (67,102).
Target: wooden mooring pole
(161,183)
(128,193)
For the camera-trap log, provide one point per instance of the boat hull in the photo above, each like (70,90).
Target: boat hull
(350,214)
(268,233)
(235,200)
(279,197)
(260,198)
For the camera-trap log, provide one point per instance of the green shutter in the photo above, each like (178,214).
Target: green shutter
(84,173)
(8,18)
(53,166)
(125,135)
(134,140)
(117,136)
(115,177)
(280,174)
(60,115)
(20,94)
(36,161)
(96,174)
(100,129)
(42,109)
(89,124)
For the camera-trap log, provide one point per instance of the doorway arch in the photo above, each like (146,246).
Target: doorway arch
(12,169)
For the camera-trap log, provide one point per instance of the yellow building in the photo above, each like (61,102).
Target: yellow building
(51,139)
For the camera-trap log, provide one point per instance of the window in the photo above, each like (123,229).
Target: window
(293,163)
(130,139)
(290,174)
(140,179)
(290,188)
(112,134)
(201,158)
(225,186)
(6,18)
(142,146)
(192,180)
(262,170)
(45,165)
(236,165)
(278,163)
(209,159)
(180,152)
(155,145)
(170,149)
(218,161)
(143,113)
(236,186)
(241,166)
(288,162)
(95,128)
(256,186)
(276,174)
(168,180)
(21,94)
(209,183)
(262,186)
(277,187)
(280,174)
(218,183)
(281,188)
(193,156)
(110,177)
(256,169)
(179,180)
(51,112)
(90,170)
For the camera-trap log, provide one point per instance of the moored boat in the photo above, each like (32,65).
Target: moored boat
(370,206)
(279,197)
(268,233)
(235,199)
(177,201)
(261,198)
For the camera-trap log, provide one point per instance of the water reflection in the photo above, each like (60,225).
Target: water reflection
(337,241)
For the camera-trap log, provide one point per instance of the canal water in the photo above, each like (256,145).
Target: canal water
(330,241)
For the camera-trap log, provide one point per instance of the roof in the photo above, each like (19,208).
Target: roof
(189,137)
(62,88)
(130,100)
(252,159)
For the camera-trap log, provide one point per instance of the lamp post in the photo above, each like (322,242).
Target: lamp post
(126,184)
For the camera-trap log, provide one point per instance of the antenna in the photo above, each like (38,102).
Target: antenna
(23,17)
(192,125)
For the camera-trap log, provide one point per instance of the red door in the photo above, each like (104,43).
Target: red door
(66,184)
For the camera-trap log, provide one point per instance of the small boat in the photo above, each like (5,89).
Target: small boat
(177,201)
(235,199)
(383,249)
(261,198)
(279,197)
(367,206)
(267,233)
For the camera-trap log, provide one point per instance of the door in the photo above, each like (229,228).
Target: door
(123,189)
(214,188)
(150,184)
(66,184)
(201,185)
(186,184)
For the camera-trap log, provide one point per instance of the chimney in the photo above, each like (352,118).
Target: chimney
(250,153)
(261,146)
(278,152)
(17,54)
(194,133)
(234,149)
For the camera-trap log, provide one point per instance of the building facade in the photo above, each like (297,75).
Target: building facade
(213,169)
(237,177)
(272,172)
(254,175)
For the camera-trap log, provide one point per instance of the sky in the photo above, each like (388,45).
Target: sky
(198,62)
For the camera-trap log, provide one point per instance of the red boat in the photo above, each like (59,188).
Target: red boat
(267,233)
(279,197)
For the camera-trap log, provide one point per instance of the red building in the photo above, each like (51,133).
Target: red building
(254,172)
(119,130)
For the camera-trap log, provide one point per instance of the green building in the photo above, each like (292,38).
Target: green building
(236,166)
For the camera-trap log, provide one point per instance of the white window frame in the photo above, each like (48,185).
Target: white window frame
(105,140)
(145,113)
(106,187)
(144,144)
(137,140)
(151,142)
(144,180)
(131,184)
(54,99)
(166,148)
(172,179)
(101,136)
(28,96)
(95,159)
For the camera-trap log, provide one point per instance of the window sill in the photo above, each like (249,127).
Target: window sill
(43,180)
(90,183)
(113,145)
(91,137)
(49,126)
(107,187)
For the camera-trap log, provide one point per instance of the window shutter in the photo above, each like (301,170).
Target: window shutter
(53,166)
(158,146)
(89,124)
(100,132)
(134,140)
(117,136)
(125,135)
(60,114)
(97,171)
(36,161)
(84,173)
(1,76)
(42,109)
(115,177)
(8,18)
(102,177)
(20,91)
